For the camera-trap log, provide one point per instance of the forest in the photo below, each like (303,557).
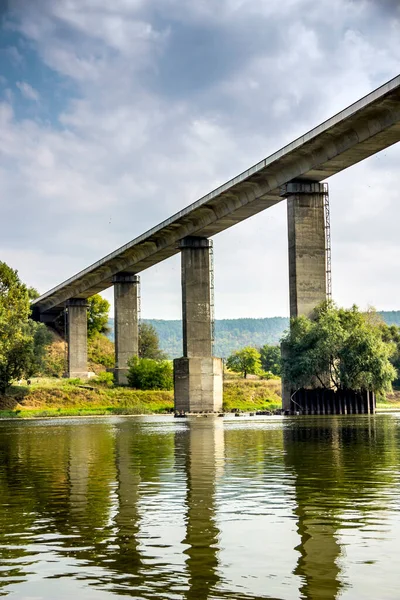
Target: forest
(233,334)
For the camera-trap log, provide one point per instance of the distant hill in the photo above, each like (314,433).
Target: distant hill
(232,334)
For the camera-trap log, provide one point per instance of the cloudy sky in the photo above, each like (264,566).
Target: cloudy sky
(114,115)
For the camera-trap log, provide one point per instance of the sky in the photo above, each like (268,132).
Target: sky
(115,115)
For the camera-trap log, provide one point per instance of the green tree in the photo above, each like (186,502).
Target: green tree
(101,351)
(97,315)
(15,342)
(245,361)
(271,359)
(391,333)
(149,374)
(149,343)
(33,293)
(40,339)
(339,348)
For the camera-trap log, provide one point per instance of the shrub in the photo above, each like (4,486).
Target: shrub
(149,374)
(105,378)
(267,375)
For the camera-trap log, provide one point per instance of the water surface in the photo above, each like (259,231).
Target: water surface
(200,509)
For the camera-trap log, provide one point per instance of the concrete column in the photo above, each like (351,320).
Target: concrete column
(77,337)
(126,305)
(198,375)
(307,252)
(307,246)
(196,296)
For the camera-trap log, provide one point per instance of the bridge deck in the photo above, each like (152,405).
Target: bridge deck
(361,130)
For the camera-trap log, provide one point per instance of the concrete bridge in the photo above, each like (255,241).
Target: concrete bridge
(294,173)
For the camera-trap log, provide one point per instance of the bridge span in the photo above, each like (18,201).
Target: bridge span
(295,173)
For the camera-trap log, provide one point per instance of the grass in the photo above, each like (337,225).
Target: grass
(53,397)
(252,395)
(391,402)
(63,397)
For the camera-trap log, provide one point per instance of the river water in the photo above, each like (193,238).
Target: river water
(206,508)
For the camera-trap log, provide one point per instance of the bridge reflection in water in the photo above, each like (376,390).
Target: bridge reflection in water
(203,508)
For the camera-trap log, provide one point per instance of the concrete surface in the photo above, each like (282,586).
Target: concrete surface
(77,338)
(126,323)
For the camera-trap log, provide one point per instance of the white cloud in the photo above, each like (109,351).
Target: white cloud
(172,99)
(27,91)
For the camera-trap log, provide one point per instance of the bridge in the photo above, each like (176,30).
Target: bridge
(296,173)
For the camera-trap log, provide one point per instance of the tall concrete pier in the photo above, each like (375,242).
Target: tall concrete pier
(77,337)
(307,245)
(126,305)
(198,375)
(307,253)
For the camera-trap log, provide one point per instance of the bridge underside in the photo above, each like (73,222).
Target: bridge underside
(363,129)
(295,173)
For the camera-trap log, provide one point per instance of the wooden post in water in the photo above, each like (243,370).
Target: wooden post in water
(366,402)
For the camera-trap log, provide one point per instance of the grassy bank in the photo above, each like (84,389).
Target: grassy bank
(391,402)
(66,397)
(63,397)
(252,395)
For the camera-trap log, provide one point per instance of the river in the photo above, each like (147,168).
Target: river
(206,508)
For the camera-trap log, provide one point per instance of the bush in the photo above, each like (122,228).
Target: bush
(267,375)
(105,378)
(149,374)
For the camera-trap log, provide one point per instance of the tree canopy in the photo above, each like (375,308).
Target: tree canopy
(245,361)
(149,343)
(149,374)
(97,315)
(22,342)
(339,348)
(271,359)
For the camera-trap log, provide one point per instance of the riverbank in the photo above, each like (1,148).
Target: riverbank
(66,397)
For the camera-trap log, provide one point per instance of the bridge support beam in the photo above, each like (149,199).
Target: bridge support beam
(198,374)
(307,252)
(77,338)
(126,322)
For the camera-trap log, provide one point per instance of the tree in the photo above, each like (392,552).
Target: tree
(245,361)
(101,351)
(149,374)
(149,343)
(340,349)
(40,339)
(271,359)
(97,315)
(14,314)
(391,333)
(33,293)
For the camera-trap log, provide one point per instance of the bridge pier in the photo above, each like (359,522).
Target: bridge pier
(198,374)
(77,338)
(126,322)
(307,245)
(307,251)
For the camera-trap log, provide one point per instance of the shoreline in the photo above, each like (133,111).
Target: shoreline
(62,398)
